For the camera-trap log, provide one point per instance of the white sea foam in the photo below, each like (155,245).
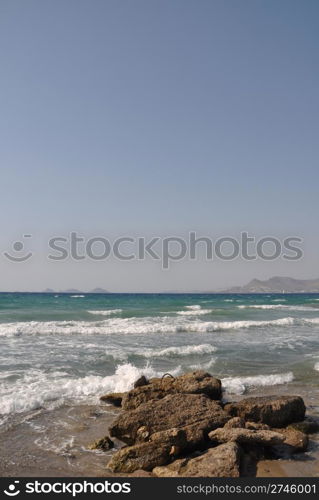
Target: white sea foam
(184,350)
(109,312)
(195,312)
(77,296)
(239,385)
(316,367)
(213,326)
(277,306)
(37,388)
(204,366)
(146,325)
(312,321)
(194,307)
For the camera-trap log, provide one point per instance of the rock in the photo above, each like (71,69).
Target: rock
(140,456)
(103,444)
(254,426)
(307,426)
(296,440)
(276,411)
(235,423)
(140,382)
(142,473)
(222,461)
(174,437)
(142,434)
(246,436)
(172,470)
(196,413)
(198,382)
(114,398)
(162,447)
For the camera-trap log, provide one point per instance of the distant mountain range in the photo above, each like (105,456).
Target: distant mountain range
(277,284)
(75,290)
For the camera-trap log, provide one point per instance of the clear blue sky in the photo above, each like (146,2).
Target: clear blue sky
(157,117)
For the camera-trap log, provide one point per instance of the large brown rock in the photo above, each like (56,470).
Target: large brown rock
(222,461)
(198,382)
(196,413)
(275,411)
(246,436)
(162,447)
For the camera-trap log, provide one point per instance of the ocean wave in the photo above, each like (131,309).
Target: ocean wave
(38,389)
(176,351)
(277,306)
(194,307)
(77,296)
(195,312)
(145,325)
(109,312)
(239,385)
(316,367)
(312,321)
(204,366)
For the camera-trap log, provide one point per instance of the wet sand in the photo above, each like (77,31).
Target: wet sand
(55,443)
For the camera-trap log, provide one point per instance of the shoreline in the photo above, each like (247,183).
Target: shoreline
(56,442)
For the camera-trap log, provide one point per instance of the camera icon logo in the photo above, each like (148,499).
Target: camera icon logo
(13,491)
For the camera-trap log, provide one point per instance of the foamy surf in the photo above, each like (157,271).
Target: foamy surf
(38,389)
(239,385)
(109,312)
(179,351)
(277,306)
(195,312)
(147,325)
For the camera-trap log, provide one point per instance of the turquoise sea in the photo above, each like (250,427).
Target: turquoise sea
(59,349)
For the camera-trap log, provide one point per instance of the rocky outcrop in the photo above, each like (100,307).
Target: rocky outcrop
(222,461)
(195,413)
(179,427)
(198,382)
(275,411)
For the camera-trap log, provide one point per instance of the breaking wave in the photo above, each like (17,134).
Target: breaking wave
(278,306)
(144,325)
(39,389)
(109,312)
